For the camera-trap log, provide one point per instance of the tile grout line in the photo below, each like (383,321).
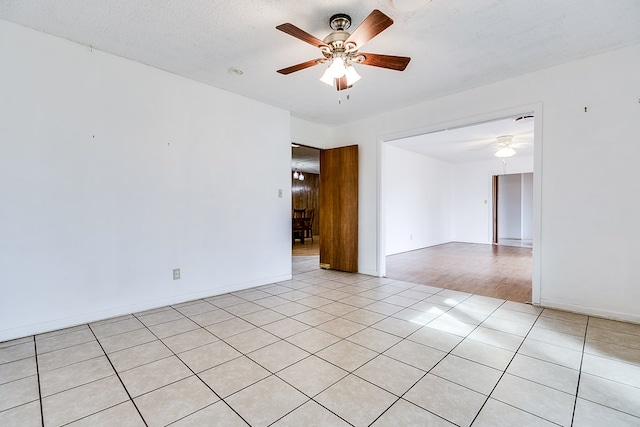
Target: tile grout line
(35,349)
(386,316)
(584,345)
(189,368)
(381,353)
(504,372)
(343,339)
(309,398)
(118,375)
(450,353)
(319,308)
(436,364)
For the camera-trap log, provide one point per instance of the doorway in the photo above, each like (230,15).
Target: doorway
(513,210)
(325,209)
(449,207)
(305,199)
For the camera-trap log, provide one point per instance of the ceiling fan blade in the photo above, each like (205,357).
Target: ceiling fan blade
(372,25)
(296,32)
(398,63)
(301,66)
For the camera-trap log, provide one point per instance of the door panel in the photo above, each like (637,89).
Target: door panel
(339,208)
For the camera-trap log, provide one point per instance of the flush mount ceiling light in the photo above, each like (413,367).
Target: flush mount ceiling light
(341,49)
(235,71)
(504,144)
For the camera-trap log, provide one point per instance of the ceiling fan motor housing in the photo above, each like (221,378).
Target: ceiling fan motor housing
(340,21)
(337,40)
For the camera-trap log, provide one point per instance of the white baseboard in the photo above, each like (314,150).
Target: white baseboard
(591,311)
(81,319)
(373,273)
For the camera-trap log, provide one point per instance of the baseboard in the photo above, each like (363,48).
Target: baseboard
(67,322)
(591,311)
(373,273)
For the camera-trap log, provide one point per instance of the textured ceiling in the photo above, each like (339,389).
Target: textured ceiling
(472,143)
(454,45)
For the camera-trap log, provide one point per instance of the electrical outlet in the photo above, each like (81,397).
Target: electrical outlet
(280,193)
(176,273)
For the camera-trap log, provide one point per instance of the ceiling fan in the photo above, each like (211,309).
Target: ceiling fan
(502,146)
(342,49)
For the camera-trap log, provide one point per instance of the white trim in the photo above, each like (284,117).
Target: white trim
(53,325)
(468,121)
(591,311)
(381,224)
(536,279)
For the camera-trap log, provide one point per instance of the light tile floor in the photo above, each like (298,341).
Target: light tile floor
(328,349)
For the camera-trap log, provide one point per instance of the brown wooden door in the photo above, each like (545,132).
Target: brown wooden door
(339,208)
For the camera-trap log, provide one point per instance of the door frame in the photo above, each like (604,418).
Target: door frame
(314,146)
(495,188)
(382,141)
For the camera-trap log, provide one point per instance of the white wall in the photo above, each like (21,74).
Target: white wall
(418,200)
(310,134)
(585,253)
(443,202)
(527,206)
(113,173)
(473,191)
(510,206)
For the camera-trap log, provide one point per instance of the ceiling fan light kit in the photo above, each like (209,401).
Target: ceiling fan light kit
(339,69)
(505,150)
(341,49)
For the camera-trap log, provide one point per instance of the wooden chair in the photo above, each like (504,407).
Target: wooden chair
(297,224)
(308,224)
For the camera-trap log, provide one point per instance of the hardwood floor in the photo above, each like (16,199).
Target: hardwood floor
(495,271)
(307,248)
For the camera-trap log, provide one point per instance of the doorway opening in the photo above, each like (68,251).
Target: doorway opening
(305,200)
(513,210)
(325,209)
(439,208)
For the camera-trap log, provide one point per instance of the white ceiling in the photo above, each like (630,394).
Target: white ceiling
(472,143)
(464,144)
(454,45)
(305,159)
